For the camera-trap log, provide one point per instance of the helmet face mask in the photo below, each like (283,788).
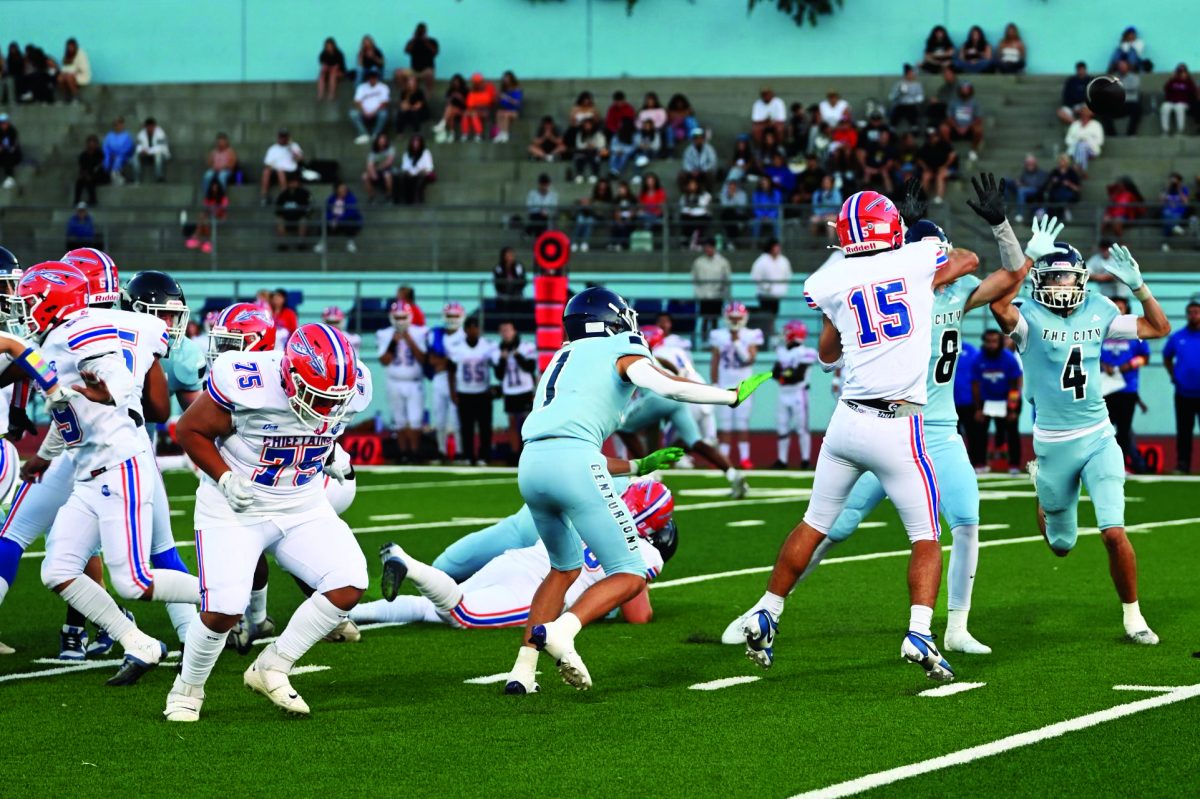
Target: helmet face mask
(453,315)
(319,374)
(241,327)
(1059,279)
(333,316)
(736,315)
(174,313)
(158,294)
(401,315)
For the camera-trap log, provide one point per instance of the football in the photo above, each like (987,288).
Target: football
(1106,96)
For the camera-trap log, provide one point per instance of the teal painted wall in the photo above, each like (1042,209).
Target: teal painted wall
(154,41)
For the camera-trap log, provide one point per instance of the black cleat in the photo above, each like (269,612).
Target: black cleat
(133,668)
(394,572)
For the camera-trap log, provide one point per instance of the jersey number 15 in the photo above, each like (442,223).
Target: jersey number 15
(881,312)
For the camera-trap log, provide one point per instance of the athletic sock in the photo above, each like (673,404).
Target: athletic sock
(805,445)
(403,610)
(568,625)
(182,615)
(173,586)
(200,652)
(74,617)
(93,602)
(525,669)
(434,584)
(732,474)
(256,611)
(313,620)
(964,558)
(1132,616)
(956,620)
(919,619)
(817,556)
(744,450)
(3,589)
(724,449)
(781,448)
(772,603)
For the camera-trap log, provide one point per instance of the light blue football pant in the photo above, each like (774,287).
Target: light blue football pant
(566,484)
(651,409)
(1097,462)
(471,553)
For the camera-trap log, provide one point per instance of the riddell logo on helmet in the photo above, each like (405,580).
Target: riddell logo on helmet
(862,246)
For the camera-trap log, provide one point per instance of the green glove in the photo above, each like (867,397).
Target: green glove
(1124,268)
(749,386)
(1045,231)
(659,459)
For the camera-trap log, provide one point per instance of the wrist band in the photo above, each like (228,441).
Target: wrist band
(1142,292)
(37,368)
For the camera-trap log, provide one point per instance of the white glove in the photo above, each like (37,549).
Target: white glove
(1124,268)
(336,472)
(237,490)
(60,396)
(1045,231)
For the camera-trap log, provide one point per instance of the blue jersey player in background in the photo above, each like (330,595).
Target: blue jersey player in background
(564,477)
(1060,335)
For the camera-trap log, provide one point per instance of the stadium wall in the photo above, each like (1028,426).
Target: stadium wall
(166,41)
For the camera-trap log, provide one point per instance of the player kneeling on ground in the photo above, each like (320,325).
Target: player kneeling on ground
(261,434)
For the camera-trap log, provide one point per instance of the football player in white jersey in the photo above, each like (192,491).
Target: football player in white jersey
(335,317)
(443,417)
(515,364)
(734,350)
(878,304)
(471,391)
(261,434)
(401,351)
(500,593)
(792,361)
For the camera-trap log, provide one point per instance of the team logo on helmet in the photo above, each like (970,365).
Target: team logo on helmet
(302,346)
(247,315)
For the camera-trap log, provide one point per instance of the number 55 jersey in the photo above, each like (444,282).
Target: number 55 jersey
(279,454)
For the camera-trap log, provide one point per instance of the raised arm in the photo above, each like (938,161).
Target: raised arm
(1153,322)
(961,262)
(989,206)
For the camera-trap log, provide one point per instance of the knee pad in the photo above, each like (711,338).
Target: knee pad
(55,573)
(10,559)
(352,574)
(169,560)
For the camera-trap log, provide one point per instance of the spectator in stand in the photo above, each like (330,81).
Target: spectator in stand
(772,276)
(937,160)
(711,274)
(342,218)
(735,212)
(285,318)
(907,98)
(1028,185)
(907,159)
(996,378)
(624,217)
(508,278)
(1179,97)
(622,146)
(541,206)
(1010,52)
(1125,204)
(1084,139)
(1132,82)
(81,229)
(292,208)
(939,51)
(283,158)
(371,100)
(742,163)
(331,69)
(652,203)
(380,170)
(212,212)
(695,213)
(781,175)
(413,109)
(152,148)
(1097,266)
(512,98)
(369,58)
(1181,357)
(768,111)
(964,120)
(1074,93)
(10,150)
(647,146)
(842,159)
(481,99)
(681,121)
(1175,208)
(547,145)
(798,124)
(833,109)
(699,161)
(618,111)
(583,109)
(877,160)
(36,84)
(222,161)
(416,171)
(118,149)
(1132,51)
(75,71)
(769,148)
(1124,358)
(809,180)
(590,149)
(975,55)
(652,110)
(826,205)
(422,50)
(588,211)
(1062,188)
(764,205)
(456,106)
(91,171)
(939,103)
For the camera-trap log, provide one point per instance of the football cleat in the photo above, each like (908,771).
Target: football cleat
(758,631)
(184,701)
(733,632)
(516,687)
(345,633)
(1146,637)
(737,486)
(573,671)
(245,633)
(920,649)
(274,685)
(5,649)
(138,661)
(546,638)
(963,641)
(394,570)
(104,642)
(72,643)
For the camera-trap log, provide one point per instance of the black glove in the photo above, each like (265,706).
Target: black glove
(19,424)
(991,199)
(915,203)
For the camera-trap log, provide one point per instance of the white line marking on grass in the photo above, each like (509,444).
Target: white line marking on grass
(307,670)
(490,679)
(871,781)
(756,493)
(871,525)
(747,523)
(716,685)
(371,626)
(487,481)
(1155,688)
(986,527)
(84,666)
(390,517)
(733,503)
(952,688)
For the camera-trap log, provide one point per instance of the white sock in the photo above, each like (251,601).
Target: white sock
(200,652)
(771,602)
(3,589)
(256,611)
(525,669)
(805,445)
(441,440)
(817,556)
(732,474)
(919,619)
(182,615)
(964,558)
(568,624)
(434,584)
(402,609)
(173,586)
(724,449)
(781,448)
(744,450)
(87,597)
(1132,616)
(957,619)
(313,620)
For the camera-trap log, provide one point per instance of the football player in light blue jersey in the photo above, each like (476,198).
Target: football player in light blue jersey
(564,477)
(1060,335)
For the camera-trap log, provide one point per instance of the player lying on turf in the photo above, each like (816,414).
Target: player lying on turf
(650,410)
(500,593)
(564,477)
(1060,335)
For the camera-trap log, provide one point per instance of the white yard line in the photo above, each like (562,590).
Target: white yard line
(390,517)
(489,679)
(725,682)
(985,527)
(952,688)
(1152,688)
(733,503)
(747,523)
(1007,744)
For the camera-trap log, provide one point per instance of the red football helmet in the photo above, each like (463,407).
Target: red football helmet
(653,335)
(453,315)
(651,504)
(795,332)
(49,293)
(333,315)
(401,314)
(242,327)
(869,222)
(101,273)
(736,315)
(319,372)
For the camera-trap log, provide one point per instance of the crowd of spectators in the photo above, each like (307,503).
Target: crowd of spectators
(31,75)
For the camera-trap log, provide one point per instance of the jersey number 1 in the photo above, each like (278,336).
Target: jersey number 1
(1074,378)
(881,312)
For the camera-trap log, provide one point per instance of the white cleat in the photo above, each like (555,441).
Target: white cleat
(963,641)
(274,685)
(518,686)
(184,701)
(573,671)
(733,633)
(1146,637)
(345,633)
(5,649)
(547,638)
(737,487)
(920,649)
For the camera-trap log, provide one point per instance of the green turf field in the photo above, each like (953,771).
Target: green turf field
(394,715)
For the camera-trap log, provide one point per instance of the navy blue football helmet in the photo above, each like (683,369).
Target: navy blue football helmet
(924,230)
(596,312)
(1059,278)
(665,539)
(10,278)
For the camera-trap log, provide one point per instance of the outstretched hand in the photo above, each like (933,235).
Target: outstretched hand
(1042,242)
(990,204)
(659,459)
(749,386)
(94,388)
(1124,268)
(915,202)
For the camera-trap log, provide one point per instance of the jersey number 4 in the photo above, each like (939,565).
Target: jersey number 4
(881,312)
(1074,377)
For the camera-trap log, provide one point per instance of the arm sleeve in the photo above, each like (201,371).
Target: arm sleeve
(1123,326)
(110,367)
(52,445)
(643,374)
(1012,257)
